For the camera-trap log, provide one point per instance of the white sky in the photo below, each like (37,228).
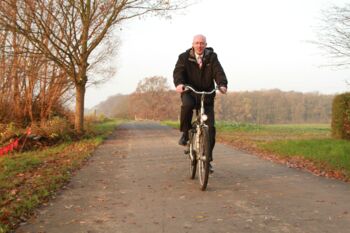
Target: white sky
(260,44)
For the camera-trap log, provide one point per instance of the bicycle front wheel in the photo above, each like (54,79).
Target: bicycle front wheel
(203,162)
(192,156)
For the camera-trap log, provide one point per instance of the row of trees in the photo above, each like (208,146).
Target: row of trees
(49,47)
(154,100)
(31,88)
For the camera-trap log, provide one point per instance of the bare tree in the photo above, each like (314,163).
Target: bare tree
(154,84)
(75,30)
(334,35)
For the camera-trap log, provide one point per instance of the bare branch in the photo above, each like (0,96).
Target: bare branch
(334,35)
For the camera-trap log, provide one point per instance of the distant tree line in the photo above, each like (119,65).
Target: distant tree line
(275,106)
(154,100)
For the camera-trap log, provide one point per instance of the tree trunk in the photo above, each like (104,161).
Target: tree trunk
(79,107)
(14,71)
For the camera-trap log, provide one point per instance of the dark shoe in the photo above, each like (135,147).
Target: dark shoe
(183,140)
(211,169)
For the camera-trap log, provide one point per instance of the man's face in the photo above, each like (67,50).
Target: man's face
(199,44)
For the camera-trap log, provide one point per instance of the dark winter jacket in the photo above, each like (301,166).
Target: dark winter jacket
(187,71)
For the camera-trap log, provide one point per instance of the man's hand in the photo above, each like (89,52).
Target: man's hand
(223,90)
(180,88)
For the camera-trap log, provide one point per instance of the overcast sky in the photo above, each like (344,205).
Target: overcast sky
(260,44)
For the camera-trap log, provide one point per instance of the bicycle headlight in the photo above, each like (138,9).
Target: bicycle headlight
(204,117)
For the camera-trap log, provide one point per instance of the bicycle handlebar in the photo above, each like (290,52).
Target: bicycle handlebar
(186,88)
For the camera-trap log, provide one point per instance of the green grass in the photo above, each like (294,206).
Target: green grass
(29,179)
(253,133)
(268,131)
(323,129)
(106,128)
(309,142)
(173,124)
(327,153)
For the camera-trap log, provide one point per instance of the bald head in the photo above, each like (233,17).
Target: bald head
(199,44)
(199,37)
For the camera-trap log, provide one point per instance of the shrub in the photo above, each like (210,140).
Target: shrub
(8,131)
(55,128)
(341,116)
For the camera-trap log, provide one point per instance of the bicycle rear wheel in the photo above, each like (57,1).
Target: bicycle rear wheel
(203,162)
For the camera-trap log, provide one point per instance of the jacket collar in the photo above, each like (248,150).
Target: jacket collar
(206,54)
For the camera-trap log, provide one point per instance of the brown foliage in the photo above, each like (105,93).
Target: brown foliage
(153,100)
(341,116)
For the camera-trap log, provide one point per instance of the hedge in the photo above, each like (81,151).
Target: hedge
(341,116)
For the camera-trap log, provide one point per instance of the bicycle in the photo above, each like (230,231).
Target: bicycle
(198,147)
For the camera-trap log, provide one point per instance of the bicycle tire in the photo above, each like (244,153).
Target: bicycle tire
(192,156)
(203,162)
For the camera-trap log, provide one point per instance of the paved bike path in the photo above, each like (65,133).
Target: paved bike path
(137,182)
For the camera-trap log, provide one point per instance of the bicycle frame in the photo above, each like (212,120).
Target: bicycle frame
(195,146)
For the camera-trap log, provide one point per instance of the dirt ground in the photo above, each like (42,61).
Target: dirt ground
(138,181)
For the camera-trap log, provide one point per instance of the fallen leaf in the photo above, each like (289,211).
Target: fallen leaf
(14,192)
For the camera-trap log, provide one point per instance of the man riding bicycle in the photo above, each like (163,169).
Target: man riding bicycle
(200,68)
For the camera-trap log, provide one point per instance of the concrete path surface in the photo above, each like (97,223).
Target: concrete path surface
(138,182)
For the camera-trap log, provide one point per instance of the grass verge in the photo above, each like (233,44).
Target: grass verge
(329,157)
(29,179)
